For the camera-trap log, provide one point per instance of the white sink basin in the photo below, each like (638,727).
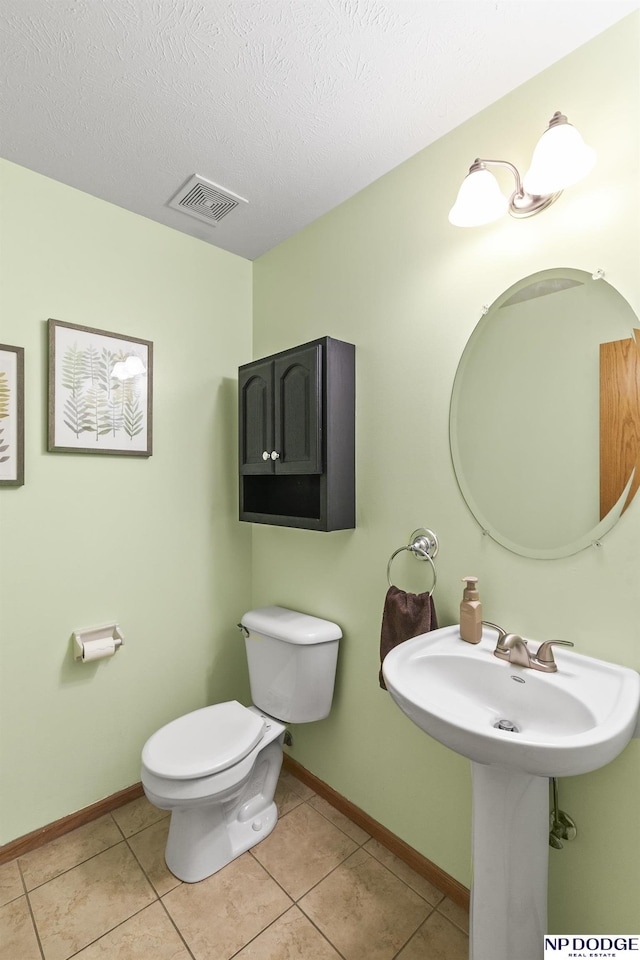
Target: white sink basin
(567,723)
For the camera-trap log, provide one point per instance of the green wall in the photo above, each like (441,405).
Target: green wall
(386,271)
(156,544)
(153,544)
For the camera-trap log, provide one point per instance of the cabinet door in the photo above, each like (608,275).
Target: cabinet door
(298,411)
(255,389)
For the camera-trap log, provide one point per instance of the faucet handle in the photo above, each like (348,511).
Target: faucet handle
(501,633)
(545,651)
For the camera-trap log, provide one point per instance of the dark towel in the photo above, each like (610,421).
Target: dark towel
(405,615)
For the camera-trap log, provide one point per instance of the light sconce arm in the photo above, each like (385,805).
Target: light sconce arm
(521,203)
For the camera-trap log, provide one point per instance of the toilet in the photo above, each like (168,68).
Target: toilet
(216,769)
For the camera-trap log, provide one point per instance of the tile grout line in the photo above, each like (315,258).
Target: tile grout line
(342,862)
(449,920)
(80,863)
(176,927)
(118,827)
(160,896)
(123,839)
(30,909)
(361,846)
(297,903)
(424,922)
(323,935)
(271,877)
(126,919)
(37,886)
(136,912)
(329,820)
(433,908)
(157,896)
(107,932)
(412,935)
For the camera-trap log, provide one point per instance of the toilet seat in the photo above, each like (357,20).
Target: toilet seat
(203,742)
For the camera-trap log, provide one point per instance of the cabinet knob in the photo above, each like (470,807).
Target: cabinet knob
(265,455)
(275,455)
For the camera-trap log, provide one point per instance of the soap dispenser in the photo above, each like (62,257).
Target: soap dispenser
(471,612)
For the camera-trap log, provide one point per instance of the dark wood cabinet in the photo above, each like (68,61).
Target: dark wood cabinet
(297,437)
(280,409)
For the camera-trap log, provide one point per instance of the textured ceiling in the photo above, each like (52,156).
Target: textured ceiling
(294,105)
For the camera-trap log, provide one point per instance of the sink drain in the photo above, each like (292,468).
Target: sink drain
(507,725)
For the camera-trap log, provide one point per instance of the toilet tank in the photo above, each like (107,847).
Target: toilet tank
(292,663)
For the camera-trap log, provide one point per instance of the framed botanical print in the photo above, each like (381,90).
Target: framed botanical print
(100,391)
(11,416)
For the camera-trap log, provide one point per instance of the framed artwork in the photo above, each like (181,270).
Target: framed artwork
(100,391)
(11,416)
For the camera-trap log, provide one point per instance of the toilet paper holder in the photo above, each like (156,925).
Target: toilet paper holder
(96,643)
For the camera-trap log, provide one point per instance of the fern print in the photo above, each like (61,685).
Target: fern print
(133,417)
(76,415)
(102,391)
(11,416)
(91,365)
(72,368)
(112,416)
(127,372)
(5,396)
(99,402)
(3,447)
(96,409)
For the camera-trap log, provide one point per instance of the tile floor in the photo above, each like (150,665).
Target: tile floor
(318,888)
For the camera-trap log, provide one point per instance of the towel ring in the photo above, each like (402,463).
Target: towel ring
(424,546)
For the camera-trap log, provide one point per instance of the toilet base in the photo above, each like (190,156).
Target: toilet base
(194,863)
(203,838)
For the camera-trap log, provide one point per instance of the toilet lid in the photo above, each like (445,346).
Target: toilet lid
(203,742)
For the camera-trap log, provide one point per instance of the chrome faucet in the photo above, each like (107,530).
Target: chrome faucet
(514,649)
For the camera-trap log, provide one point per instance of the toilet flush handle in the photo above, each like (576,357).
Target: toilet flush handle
(241,627)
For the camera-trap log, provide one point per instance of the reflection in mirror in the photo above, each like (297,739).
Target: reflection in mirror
(545,413)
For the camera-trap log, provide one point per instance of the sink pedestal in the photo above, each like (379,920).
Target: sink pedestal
(510,848)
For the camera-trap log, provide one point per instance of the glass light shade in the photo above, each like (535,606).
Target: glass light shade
(560,159)
(479,201)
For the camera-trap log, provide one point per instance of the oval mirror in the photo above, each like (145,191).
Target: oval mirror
(545,414)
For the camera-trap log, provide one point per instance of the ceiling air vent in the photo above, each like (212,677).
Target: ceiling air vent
(205,200)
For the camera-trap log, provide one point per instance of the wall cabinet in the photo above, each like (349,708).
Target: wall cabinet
(297,437)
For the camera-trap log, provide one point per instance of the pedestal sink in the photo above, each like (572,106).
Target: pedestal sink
(518,726)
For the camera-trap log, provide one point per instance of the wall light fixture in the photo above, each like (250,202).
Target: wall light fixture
(560,159)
